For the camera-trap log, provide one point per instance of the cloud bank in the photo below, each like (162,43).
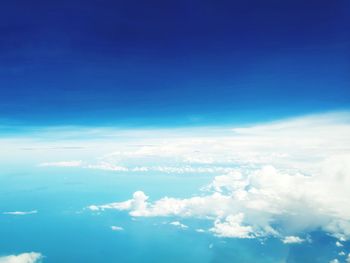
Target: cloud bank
(284,179)
(262,202)
(299,144)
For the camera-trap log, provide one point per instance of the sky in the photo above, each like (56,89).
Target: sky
(156,63)
(175,131)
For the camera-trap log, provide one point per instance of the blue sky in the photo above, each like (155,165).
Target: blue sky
(156,63)
(175,131)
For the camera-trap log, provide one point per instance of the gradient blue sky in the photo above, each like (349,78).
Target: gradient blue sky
(175,131)
(166,63)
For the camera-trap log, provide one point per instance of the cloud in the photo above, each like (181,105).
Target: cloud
(178,224)
(232,227)
(31,257)
(21,213)
(334,261)
(138,203)
(338,244)
(282,179)
(348,258)
(117,228)
(261,202)
(62,164)
(292,240)
(301,143)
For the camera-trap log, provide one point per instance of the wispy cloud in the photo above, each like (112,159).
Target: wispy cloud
(21,213)
(117,228)
(62,164)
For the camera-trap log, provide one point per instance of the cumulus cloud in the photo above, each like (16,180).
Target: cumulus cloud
(31,257)
(338,244)
(178,224)
(232,227)
(21,213)
(334,261)
(260,202)
(281,179)
(292,240)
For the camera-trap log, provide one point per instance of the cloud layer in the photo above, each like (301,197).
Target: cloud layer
(280,179)
(283,179)
(262,202)
(299,144)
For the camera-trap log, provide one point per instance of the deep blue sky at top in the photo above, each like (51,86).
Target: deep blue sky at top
(180,62)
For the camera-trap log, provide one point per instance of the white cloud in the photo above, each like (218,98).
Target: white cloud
(31,257)
(250,203)
(338,244)
(178,224)
(200,230)
(21,213)
(299,144)
(108,167)
(286,177)
(292,240)
(334,261)
(348,258)
(232,227)
(62,164)
(163,169)
(341,253)
(117,228)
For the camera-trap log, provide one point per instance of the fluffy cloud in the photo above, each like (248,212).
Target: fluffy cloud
(283,178)
(338,244)
(178,224)
(232,227)
(292,240)
(31,257)
(261,202)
